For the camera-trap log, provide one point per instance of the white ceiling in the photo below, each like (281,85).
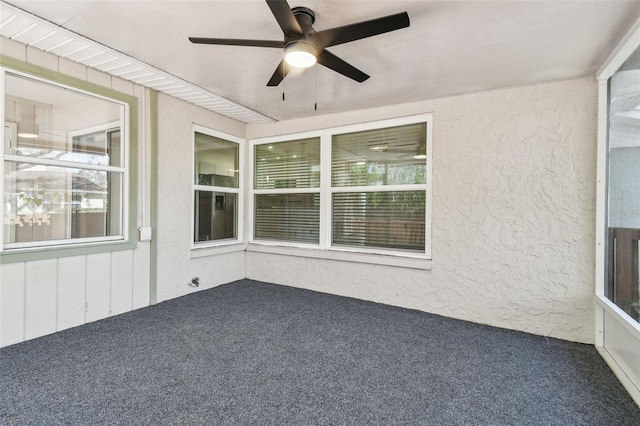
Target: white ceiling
(451,47)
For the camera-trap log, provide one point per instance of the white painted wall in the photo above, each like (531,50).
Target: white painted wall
(513,219)
(513,213)
(177,264)
(44,296)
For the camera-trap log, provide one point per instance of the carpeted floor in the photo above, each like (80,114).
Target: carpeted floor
(256,353)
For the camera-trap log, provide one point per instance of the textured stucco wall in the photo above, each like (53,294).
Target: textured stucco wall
(175,264)
(513,213)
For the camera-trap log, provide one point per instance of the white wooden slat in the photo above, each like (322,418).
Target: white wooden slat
(121,281)
(71,291)
(98,303)
(11,303)
(14,26)
(40,301)
(31,33)
(141,276)
(67,49)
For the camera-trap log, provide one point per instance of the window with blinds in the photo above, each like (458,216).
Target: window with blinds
(369,192)
(287,191)
(378,180)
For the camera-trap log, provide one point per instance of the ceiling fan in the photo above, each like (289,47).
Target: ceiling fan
(303,46)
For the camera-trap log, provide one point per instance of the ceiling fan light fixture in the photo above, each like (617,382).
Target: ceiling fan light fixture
(300,54)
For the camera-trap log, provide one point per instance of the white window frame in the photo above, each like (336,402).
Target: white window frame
(124,170)
(275,191)
(606,311)
(325,249)
(206,188)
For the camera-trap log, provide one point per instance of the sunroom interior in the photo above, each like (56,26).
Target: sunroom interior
(127,185)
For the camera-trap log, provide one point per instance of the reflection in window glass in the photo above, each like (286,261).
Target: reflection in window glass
(57,123)
(216,214)
(64,164)
(390,156)
(45,203)
(216,162)
(291,164)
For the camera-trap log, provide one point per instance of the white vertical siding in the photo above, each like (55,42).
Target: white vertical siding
(141,277)
(12,303)
(72,272)
(98,286)
(41,285)
(45,296)
(121,282)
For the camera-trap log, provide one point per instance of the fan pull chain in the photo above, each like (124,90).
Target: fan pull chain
(284,64)
(315,104)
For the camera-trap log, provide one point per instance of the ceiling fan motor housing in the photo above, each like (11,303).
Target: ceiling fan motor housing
(305,17)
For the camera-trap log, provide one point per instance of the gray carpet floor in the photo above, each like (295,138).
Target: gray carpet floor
(256,353)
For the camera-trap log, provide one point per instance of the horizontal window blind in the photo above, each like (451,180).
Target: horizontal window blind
(387,220)
(292,164)
(287,217)
(391,156)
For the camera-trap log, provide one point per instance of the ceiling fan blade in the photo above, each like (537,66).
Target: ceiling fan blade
(285,18)
(347,33)
(330,60)
(237,42)
(279,74)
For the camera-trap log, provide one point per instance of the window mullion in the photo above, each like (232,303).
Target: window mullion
(62,163)
(325,193)
(381,188)
(286,191)
(207,188)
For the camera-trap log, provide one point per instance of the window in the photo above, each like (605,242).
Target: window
(287,191)
(216,187)
(65,174)
(623,192)
(378,184)
(368,192)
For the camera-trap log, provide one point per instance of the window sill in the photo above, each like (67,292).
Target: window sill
(346,256)
(621,316)
(214,250)
(28,254)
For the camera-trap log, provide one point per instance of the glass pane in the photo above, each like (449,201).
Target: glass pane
(391,156)
(389,220)
(45,203)
(288,217)
(624,187)
(216,162)
(292,164)
(215,216)
(57,123)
